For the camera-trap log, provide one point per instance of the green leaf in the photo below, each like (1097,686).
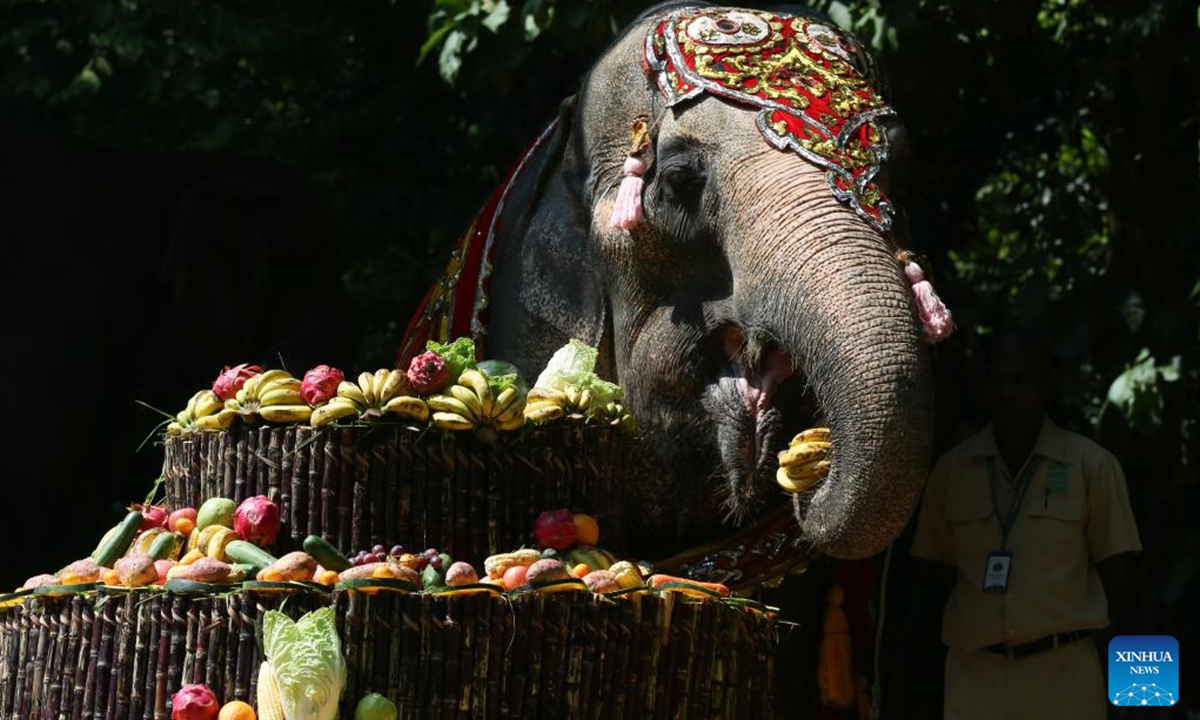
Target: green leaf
(841,15)
(433,41)
(497,17)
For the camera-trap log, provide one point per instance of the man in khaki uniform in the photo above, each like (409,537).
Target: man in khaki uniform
(1025,511)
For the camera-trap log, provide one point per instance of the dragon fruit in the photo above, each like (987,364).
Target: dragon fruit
(554,529)
(428,373)
(320,384)
(194,702)
(153,516)
(232,379)
(256,520)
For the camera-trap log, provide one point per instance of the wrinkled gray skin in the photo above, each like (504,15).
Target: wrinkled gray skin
(748,306)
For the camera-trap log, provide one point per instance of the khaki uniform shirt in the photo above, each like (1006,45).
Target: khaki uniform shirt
(1075,513)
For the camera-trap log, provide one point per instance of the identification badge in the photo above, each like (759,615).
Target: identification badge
(999,565)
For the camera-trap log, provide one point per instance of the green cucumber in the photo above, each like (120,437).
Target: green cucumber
(247,553)
(116,543)
(329,556)
(163,546)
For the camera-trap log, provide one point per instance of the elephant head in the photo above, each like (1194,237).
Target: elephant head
(760,294)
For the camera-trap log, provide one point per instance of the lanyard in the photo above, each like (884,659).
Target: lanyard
(1024,477)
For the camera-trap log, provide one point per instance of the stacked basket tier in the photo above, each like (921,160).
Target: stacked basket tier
(358,487)
(561,655)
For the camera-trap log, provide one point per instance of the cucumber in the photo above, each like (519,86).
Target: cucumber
(247,553)
(116,543)
(163,546)
(329,556)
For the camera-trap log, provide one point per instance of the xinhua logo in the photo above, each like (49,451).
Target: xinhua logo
(1143,670)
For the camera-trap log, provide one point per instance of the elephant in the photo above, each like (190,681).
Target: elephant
(760,294)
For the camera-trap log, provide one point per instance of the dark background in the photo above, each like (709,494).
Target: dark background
(192,185)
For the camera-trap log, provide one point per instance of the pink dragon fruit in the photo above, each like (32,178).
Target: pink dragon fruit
(427,373)
(320,384)
(554,529)
(232,379)
(194,702)
(257,520)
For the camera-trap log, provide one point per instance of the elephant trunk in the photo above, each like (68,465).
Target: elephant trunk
(836,301)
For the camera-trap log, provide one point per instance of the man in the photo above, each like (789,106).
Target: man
(1028,517)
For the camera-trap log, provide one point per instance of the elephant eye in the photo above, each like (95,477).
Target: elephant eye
(682,181)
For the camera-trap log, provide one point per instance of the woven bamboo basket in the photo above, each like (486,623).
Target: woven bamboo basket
(122,656)
(358,487)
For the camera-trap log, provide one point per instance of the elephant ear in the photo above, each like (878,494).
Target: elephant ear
(561,277)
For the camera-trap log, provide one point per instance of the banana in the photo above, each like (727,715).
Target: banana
(478,382)
(553,395)
(516,422)
(585,400)
(804,470)
(241,398)
(805,452)
(188,414)
(381,377)
(281,396)
(572,393)
(395,384)
(353,392)
(144,541)
(513,411)
(413,408)
(452,421)
(366,383)
(791,485)
(543,413)
(811,435)
(220,421)
(215,545)
(174,428)
(208,403)
(265,379)
(286,413)
(506,398)
(331,411)
(448,404)
(468,397)
(198,539)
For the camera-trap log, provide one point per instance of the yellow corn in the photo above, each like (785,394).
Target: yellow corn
(269,705)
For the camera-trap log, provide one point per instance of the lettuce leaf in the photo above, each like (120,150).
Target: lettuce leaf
(459,355)
(569,365)
(308,663)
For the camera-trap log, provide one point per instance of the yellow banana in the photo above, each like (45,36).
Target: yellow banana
(186,415)
(366,383)
(448,404)
(585,400)
(506,398)
(451,421)
(214,547)
(478,382)
(572,393)
(811,435)
(804,453)
(467,397)
(803,470)
(514,410)
(395,384)
(286,413)
(413,408)
(791,485)
(353,392)
(208,404)
(516,422)
(282,396)
(331,411)
(377,382)
(544,413)
(263,381)
(220,421)
(545,394)
(174,428)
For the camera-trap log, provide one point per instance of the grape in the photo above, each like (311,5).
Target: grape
(436,562)
(397,550)
(379,550)
(430,552)
(422,561)
(377,557)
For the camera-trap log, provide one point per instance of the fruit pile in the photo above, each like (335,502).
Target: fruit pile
(221,544)
(444,386)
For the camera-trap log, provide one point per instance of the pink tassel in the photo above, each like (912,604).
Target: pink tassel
(935,317)
(627,211)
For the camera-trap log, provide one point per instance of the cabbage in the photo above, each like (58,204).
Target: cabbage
(308,663)
(573,365)
(459,355)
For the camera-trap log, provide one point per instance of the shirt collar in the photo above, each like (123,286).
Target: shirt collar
(1050,443)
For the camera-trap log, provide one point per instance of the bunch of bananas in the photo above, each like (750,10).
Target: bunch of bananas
(804,463)
(273,395)
(549,404)
(384,392)
(203,412)
(469,405)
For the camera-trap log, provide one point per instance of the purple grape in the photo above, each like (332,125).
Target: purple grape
(377,557)
(430,552)
(397,550)
(422,561)
(436,562)
(379,550)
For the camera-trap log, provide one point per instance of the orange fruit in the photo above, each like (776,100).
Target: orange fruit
(236,710)
(587,531)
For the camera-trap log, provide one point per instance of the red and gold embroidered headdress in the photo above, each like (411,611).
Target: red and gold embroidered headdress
(804,75)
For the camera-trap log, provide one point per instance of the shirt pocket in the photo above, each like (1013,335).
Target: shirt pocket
(969,514)
(1055,511)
